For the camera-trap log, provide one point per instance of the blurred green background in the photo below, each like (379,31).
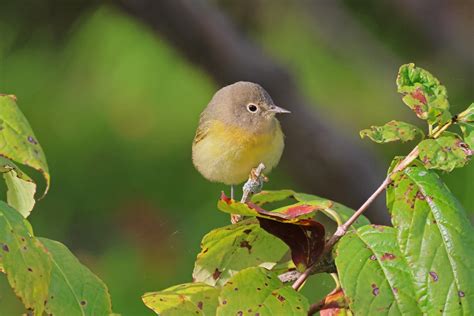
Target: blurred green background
(115,108)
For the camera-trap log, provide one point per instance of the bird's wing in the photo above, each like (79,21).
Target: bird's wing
(201,133)
(202,129)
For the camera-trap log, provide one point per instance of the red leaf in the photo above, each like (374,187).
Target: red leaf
(305,239)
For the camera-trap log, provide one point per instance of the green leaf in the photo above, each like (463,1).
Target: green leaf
(466,122)
(229,249)
(437,240)
(424,94)
(183,299)
(25,260)
(21,189)
(467,116)
(445,152)
(336,211)
(257,291)
(18,142)
(468,133)
(392,131)
(373,273)
(74,289)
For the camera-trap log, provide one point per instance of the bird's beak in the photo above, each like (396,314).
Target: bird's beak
(277,109)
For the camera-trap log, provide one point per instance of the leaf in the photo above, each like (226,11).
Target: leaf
(25,260)
(183,299)
(468,133)
(306,206)
(256,291)
(290,214)
(466,122)
(74,289)
(392,131)
(467,116)
(17,140)
(424,94)
(336,211)
(373,273)
(445,152)
(437,239)
(305,239)
(21,189)
(229,249)
(335,304)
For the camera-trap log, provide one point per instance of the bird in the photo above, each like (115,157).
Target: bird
(237,131)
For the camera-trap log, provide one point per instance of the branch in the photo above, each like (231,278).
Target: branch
(320,158)
(253,185)
(342,229)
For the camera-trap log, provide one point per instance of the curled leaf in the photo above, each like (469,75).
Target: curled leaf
(20,187)
(306,239)
(392,131)
(17,140)
(423,93)
(445,152)
(466,122)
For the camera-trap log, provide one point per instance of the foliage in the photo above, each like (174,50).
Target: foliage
(421,265)
(43,273)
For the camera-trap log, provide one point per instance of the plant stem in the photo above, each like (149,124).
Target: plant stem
(342,229)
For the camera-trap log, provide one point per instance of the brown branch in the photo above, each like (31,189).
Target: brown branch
(320,158)
(342,229)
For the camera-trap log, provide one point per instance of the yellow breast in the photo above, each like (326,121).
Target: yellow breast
(227,154)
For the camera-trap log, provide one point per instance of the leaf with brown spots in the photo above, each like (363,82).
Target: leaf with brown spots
(183,299)
(74,289)
(17,140)
(229,249)
(391,132)
(371,270)
(25,260)
(436,239)
(257,291)
(445,152)
(424,94)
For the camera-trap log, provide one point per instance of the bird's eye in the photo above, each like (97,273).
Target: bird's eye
(252,108)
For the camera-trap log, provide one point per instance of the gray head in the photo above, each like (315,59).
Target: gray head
(244,104)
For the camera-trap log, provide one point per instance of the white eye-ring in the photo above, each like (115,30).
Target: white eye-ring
(252,108)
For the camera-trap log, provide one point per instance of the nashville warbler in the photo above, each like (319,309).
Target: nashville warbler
(237,131)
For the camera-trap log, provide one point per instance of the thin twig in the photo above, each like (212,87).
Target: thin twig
(253,185)
(342,229)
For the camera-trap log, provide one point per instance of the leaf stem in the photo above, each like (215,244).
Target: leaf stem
(342,229)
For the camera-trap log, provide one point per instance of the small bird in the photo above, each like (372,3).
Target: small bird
(237,131)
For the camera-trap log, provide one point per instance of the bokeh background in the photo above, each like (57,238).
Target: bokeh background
(114,90)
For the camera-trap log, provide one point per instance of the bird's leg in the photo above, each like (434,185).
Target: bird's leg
(232,191)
